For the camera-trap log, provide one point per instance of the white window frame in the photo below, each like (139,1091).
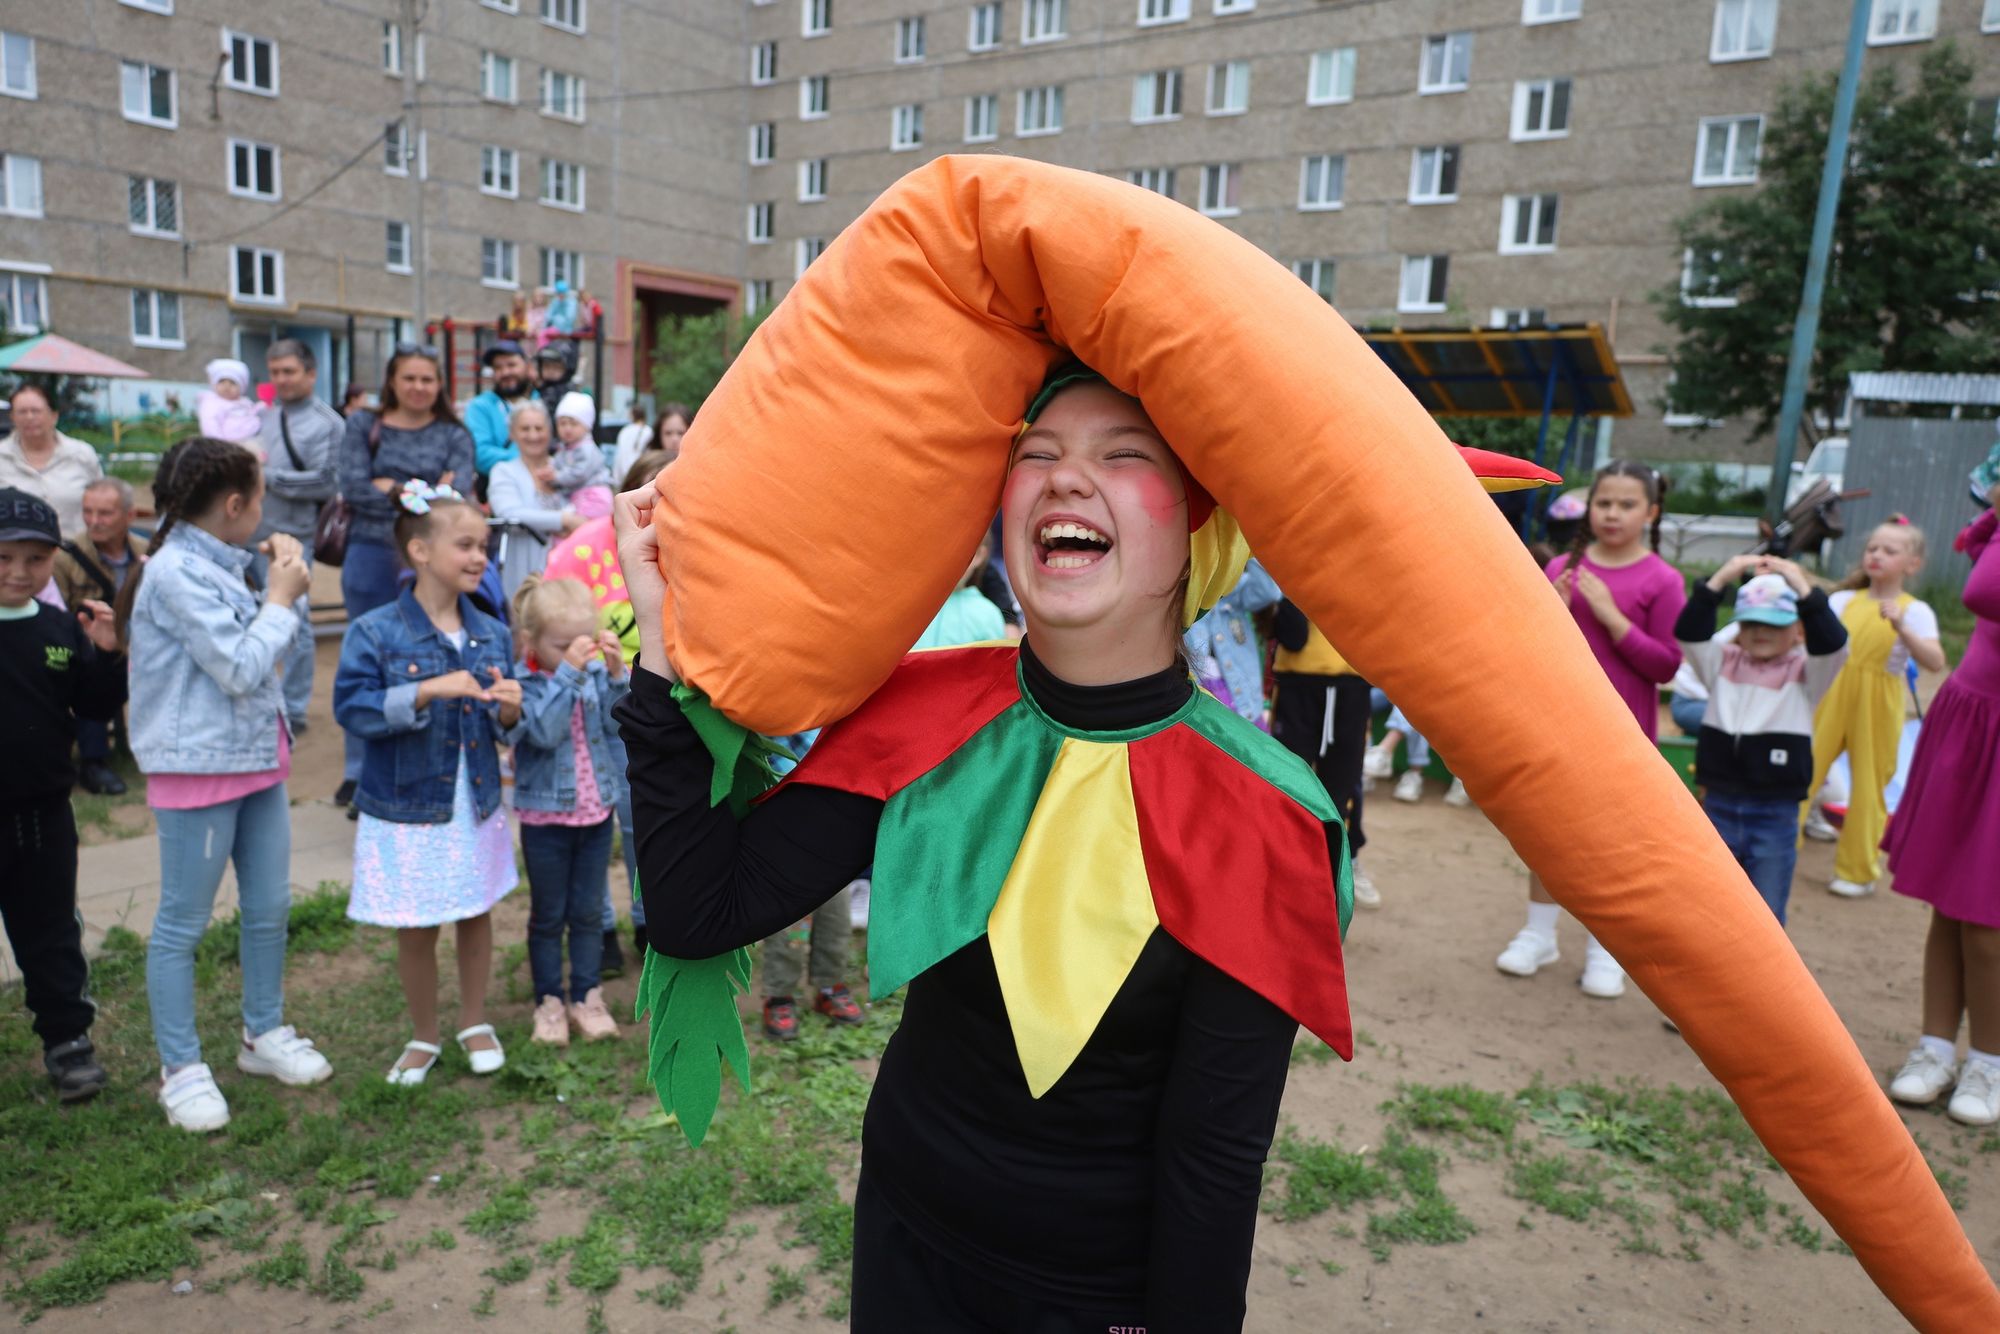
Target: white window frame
(1739,31)
(560,177)
(1989,16)
(491,65)
(555,270)
(763,64)
(763,143)
(1159,180)
(808,249)
(395,140)
(1046,100)
(1543,207)
(815,18)
(811,107)
(1221,183)
(1914,21)
(392,50)
(504,6)
(756,295)
(253,148)
(1688,290)
(761,220)
(982,118)
(1517,317)
(147,71)
(911,45)
(565,15)
(1152,13)
(1520,131)
(983,28)
(15,167)
(27,91)
(14,278)
(1733,126)
(506,256)
(1339,61)
(156,302)
(1427,304)
(496,162)
(1332,167)
(258,255)
(1222,82)
(906,127)
(1446,43)
(812,180)
(231,36)
(1224,8)
(151,226)
(1148,101)
(1312,272)
(151,6)
(1428,186)
(1534,12)
(392,228)
(1044,21)
(577,87)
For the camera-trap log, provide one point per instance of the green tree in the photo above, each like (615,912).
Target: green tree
(694,350)
(1914,280)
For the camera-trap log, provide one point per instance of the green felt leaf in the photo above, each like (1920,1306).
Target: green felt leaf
(743,769)
(694,1031)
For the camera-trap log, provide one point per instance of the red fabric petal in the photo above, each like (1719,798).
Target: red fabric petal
(1487,465)
(1251,894)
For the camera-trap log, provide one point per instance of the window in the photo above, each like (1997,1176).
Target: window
(1044,20)
(1330,77)
(1219,189)
(1039,111)
(253,169)
(156,318)
(1517,317)
(1434,174)
(810,248)
(982,118)
(1726,150)
(812,180)
(1162,11)
(1156,96)
(816,17)
(1701,280)
(1229,88)
(148,91)
(1902,21)
(764,63)
(256,274)
(499,171)
(151,6)
(1447,66)
(26,298)
(909,40)
(1528,224)
(985,34)
(1989,17)
(562,266)
(562,184)
(20,185)
(1322,180)
(1983,133)
(1424,279)
(1550,11)
(812,97)
(396,152)
(252,66)
(496,77)
(761,216)
(392,49)
(562,95)
(17,67)
(504,6)
(907,128)
(763,142)
(1316,274)
(564,14)
(155,206)
(1160,180)
(1744,29)
(396,246)
(499,263)
(756,295)
(1541,109)
(1234,6)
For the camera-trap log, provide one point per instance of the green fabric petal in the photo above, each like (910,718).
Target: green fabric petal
(743,769)
(695,1031)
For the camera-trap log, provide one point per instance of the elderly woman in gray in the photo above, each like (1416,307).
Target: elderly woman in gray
(526,499)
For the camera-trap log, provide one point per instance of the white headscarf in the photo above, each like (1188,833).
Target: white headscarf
(228,368)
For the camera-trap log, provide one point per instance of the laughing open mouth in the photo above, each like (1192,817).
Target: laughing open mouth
(1066,545)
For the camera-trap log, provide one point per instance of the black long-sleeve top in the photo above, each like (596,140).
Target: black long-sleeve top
(1135,1179)
(50,675)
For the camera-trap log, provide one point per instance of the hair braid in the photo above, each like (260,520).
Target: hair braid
(193,476)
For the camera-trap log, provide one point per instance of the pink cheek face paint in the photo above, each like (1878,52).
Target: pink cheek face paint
(1160,497)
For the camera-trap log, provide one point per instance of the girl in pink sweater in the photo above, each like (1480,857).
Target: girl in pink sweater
(1625,600)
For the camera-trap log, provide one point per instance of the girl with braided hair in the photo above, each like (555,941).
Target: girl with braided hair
(209,732)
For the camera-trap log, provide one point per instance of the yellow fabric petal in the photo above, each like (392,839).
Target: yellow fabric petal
(1217,554)
(1075,910)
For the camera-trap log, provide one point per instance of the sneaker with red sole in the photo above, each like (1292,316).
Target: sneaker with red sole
(781,1019)
(838,1004)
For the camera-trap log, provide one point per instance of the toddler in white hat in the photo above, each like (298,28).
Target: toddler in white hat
(581,471)
(225,410)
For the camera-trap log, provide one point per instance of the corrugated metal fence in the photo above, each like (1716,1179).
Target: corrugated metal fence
(1916,466)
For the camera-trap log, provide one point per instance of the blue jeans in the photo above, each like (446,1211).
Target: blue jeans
(93,739)
(1687,713)
(1416,750)
(567,865)
(367,581)
(255,833)
(1762,833)
(629,841)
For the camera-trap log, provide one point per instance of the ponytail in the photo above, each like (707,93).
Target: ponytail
(1656,484)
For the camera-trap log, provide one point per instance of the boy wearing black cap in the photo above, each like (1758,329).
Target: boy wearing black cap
(54,669)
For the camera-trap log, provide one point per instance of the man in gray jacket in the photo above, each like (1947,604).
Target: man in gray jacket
(299,440)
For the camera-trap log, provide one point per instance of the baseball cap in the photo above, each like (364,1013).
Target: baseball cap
(506,347)
(1767,600)
(26,518)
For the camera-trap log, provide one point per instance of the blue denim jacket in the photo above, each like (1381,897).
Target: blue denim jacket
(410,767)
(1227,633)
(205,695)
(544,759)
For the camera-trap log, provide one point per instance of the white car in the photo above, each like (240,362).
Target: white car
(1828,461)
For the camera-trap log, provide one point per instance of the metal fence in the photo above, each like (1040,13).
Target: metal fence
(1915,466)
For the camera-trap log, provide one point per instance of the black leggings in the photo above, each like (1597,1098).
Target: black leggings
(38,905)
(1298,718)
(902,1285)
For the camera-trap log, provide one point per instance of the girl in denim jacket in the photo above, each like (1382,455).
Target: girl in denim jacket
(208,730)
(567,787)
(425,682)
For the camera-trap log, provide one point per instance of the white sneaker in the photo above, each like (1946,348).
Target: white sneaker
(1818,828)
(1456,795)
(283,1055)
(1365,892)
(857,904)
(1526,954)
(1922,1078)
(192,1100)
(1603,977)
(1850,889)
(1976,1101)
(1378,762)
(1410,787)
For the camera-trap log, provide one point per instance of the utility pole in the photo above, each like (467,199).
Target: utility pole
(1805,330)
(413,132)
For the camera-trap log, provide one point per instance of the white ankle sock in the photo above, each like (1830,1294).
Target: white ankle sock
(1974,1054)
(1542,918)
(1593,952)
(1943,1048)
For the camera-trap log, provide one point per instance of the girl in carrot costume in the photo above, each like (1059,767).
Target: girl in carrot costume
(1862,714)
